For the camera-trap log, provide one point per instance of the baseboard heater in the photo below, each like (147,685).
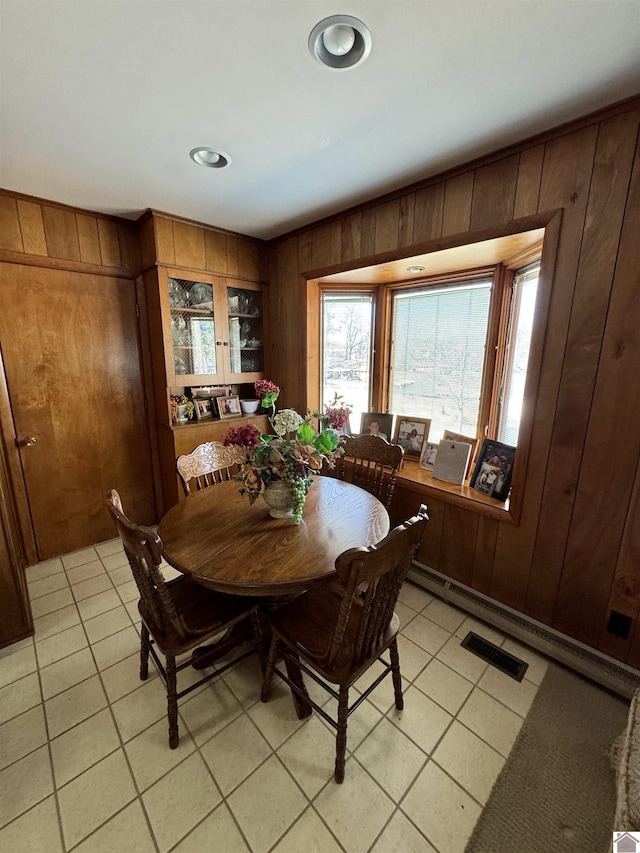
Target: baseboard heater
(602,669)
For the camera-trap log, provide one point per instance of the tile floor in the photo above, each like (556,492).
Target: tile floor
(85,764)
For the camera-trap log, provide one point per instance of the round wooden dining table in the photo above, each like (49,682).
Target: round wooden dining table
(222,542)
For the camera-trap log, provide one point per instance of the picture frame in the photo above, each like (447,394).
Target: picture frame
(377,423)
(428,455)
(493,470)
(203,408)
(466,439)
(411,434)
(228,407)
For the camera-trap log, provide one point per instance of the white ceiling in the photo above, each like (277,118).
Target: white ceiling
(102,100)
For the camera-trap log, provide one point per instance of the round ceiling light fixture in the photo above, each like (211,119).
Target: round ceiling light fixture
(340,42)
(209,157)
(416,268)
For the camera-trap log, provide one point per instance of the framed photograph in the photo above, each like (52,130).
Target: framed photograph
(428,455)
(228,407)
(203,408)
(411,434)
(377,423)
(493,469)
(455,436)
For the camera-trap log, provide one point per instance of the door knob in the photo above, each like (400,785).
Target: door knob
(27,442)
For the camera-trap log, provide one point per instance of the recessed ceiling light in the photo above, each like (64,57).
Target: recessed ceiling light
(340,42)
(210,157)
(416,269)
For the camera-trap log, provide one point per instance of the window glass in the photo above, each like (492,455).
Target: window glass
(347,323)
(438,347)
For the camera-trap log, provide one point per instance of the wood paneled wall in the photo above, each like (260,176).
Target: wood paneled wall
(575,554)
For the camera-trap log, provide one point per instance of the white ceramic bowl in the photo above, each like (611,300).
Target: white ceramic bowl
(250,407)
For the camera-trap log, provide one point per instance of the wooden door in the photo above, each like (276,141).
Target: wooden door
(70,344)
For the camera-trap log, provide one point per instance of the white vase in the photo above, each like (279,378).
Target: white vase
(183,414)
(279,498)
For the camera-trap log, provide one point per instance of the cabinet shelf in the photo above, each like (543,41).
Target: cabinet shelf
(250,316)
(201,312)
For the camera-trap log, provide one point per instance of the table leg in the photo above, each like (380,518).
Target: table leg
(302,705)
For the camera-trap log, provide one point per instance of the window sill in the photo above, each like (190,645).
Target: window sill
(416,479)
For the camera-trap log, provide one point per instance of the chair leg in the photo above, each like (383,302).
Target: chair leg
(144,652)
(395,674)
(172,703)
(341,737)
(258,640)
(268,673)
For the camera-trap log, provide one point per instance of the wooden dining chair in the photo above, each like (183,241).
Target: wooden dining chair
(208,464)
(342,625)
(371,463)
(178,615)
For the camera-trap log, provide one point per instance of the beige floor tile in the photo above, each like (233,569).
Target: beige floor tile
(124,677)
(126,831)
(150,756)
(116,647)
(79,558)
(469,760)
(111,546)
(132,609)
(391,758)
(83,746)
(404,613)
(95,796)
(481,629)
(90,570)
(55,622)
(107,624)
(491,721)
(443,614)
(538,663)
(44,570)
(25,783)
(245,681)
(413,658)
(18,646)
(52,583)
(92,587)
(426,634)
(356,810)
(210,710)
(281,801)
(53,601)
(401,836)
(60,645)
(180,800)
(37,830)
(421,720)
(361,723)
(276,719)
(220,824)
(310,755)
(414,596)
(516,695)
(444,686)
(16,665)
(463,662)
(74,705)
(21,735)
(116,561)
(235,752)
(383,697)
(138,710)
(308,834)
(97,604)
(19,696)
(441,810)
(120,575)
(128,592)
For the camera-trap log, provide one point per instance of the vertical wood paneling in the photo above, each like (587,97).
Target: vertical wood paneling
(459,532)
(494,192)
(321,247)
(484,553)
(232,255)
(61,232)
(600,513)
(248,260)
(429,209)
(147,243)
(165,248)
(10,236)
(458,194)
(431,546)
(566,174)
(215,246)
(336,242)
(387,224)
(32,228)
(605,210)
(350,233)
(407,219)
(88,238)
(528,186)
(189,245)
(129,241)
(368,232)
(109,243)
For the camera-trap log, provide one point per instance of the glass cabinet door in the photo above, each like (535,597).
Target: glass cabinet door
(246,344)
(193,332)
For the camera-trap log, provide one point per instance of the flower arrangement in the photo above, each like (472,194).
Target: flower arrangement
(336,414)
(291,456)
(181,400)
(267,392)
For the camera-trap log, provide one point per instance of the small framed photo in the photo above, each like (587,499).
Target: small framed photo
(203,408)
(376,423)
(493,469)
(411,434)
(466,439)
(228,407)
(428,455)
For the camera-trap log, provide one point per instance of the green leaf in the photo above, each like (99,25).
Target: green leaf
(326,441)
(306,433)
